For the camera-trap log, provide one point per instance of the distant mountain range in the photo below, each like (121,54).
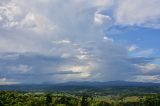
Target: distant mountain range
(109,83)
(76,85)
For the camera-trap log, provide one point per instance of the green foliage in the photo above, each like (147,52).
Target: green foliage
(12,98)
(153,100)
(48,99)
(84,101)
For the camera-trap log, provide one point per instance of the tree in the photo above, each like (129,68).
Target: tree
(48,99)
(84,101)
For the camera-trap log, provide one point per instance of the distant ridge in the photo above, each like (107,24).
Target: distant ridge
(109,83)
(76,85)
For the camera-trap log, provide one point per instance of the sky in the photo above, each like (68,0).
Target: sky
(54,41)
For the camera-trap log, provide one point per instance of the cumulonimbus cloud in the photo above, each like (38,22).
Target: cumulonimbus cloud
(65,38)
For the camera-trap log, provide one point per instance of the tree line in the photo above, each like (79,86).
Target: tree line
(13,98)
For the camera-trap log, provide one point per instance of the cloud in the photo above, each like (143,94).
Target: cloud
(4,81)
(15,14)
(107,39)
(59,40)
(142,60)
(145,53)
(132,48)
(20,68)
(26,67)
(101,19)
(147,78)
(149,69)
(138,13)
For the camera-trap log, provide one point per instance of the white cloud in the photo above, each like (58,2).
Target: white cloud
(106,3)
(4,81)
(138,13)
(146,78)
(15,14)
(61,42)
(150,67)
(83,69)
(101,19)
(132,48)
(105,38)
